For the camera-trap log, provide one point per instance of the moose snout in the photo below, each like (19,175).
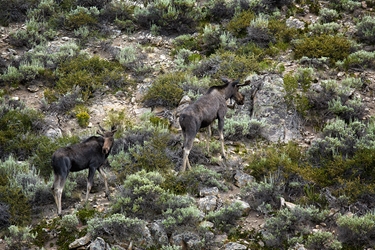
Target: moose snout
(105,150)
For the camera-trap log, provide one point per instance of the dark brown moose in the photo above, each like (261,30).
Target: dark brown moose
(92,153)
(204,111)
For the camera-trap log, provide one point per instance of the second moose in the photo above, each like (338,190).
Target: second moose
(205,110)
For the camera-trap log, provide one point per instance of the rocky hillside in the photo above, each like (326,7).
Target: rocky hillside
(299,168)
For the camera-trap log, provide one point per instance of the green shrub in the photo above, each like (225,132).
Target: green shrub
(19,206)
(68,230)
(239,23)
(153,154)
(239,126)
(356,230)
(69,222)
(366,30)
(12,76)
(22,125)
(195,179)
(44,11)
(279,157)
(325,28)
(259,194)
(339,138)
(19,237)
(185,41)
(119,228)
(361,59)
(345,5)
(13,11)
(140,195)
(284,227)
(296,87)
(82,115)
(232,65)
(219,10)
(210,39)
(85,214)
(116,12)
(171,16)
(180,214)
(165,91)
(4,216)
(225,219)
(323,240)
(335,47)
(81,16)
(352,109)
(280,31)
(328,15)
(90,74)
(35,33)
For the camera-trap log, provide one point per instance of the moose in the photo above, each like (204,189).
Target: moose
(90,154)
(204,111)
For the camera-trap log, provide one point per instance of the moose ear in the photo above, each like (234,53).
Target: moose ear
(234,83)
(99,133)
(225,80)
(247,82)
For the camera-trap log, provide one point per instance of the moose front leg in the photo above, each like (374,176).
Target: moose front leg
(221,134)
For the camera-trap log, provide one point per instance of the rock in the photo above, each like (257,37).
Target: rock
(245,207)
(290,205)
(292,22)
(234,246)
(242,179)
(53,133)
(158,233)
(33,88)
(80,242)
(208,191)
(270,107)
(208,203)
(98,244)
(188,240)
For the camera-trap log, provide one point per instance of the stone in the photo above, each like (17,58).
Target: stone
(208,203)
(158,233)
(80,242)
(234,246)
(208,191)
(98,244)
(242,179)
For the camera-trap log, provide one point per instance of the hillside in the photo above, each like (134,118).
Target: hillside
(298,172)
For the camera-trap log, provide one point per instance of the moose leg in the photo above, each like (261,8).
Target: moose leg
(185,159)
(188,144)
(101,171)
(208,138)
(90,181)
(58,187)
(221,134)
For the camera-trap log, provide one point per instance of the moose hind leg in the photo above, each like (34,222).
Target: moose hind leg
(58,187)
(102,172)
(188,144)
(90,181)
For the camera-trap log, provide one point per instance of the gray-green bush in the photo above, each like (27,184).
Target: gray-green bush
(285,227)
(117,228)
(356,230)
